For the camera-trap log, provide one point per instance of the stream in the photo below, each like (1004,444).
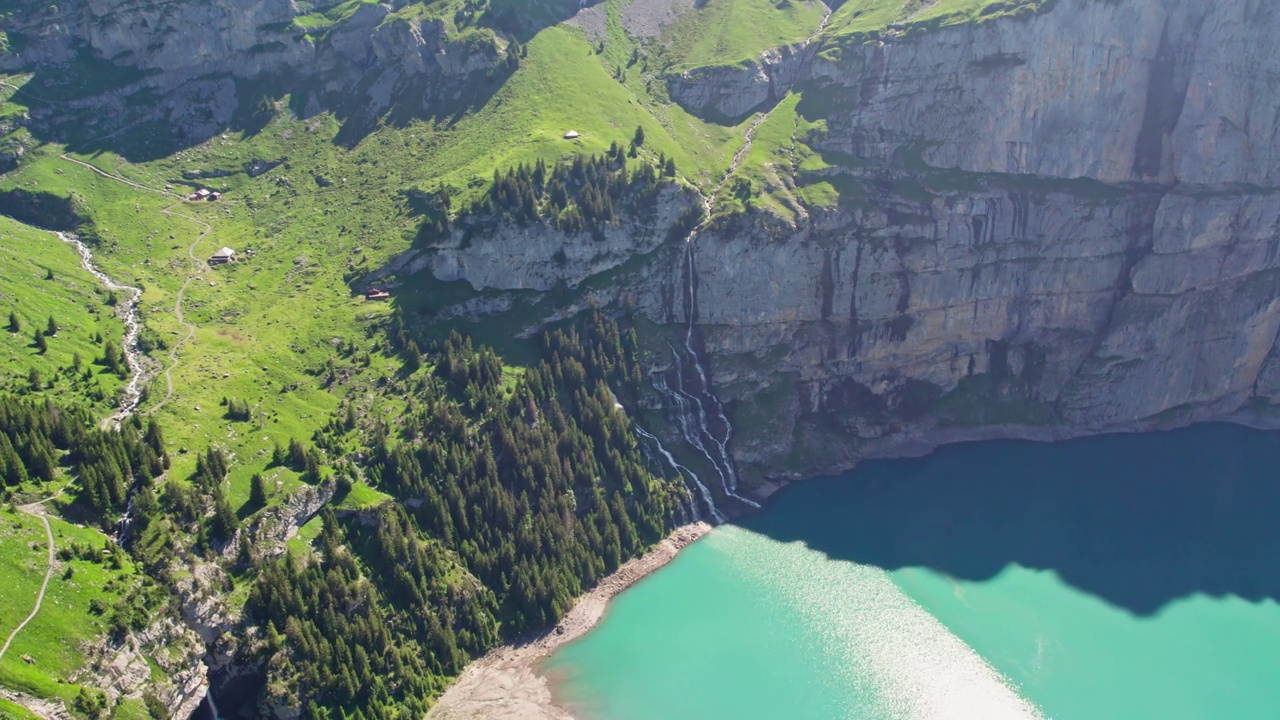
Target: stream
(128,312)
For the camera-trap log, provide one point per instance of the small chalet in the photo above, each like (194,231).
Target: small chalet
(224,256)
(376,294)
(572,135)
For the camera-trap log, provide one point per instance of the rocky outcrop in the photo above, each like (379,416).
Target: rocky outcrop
(1050,225)
(504,256)
(728,92)
(192,55)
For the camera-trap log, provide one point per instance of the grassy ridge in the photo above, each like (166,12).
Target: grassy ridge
(866,19)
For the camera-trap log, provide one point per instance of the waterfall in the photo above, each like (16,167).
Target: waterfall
(696,409)
(685,472)
(697,425)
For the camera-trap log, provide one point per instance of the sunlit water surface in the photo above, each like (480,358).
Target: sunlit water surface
(1117,577)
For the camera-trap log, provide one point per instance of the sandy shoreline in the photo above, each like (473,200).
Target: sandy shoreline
(504,684)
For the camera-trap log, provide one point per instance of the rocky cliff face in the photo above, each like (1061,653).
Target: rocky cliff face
(539,257)
(190,56)
(734,91)
(1067,223)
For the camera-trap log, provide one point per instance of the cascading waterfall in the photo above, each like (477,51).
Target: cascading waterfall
(701,397)
(693,415)
(685,472)
(695,410)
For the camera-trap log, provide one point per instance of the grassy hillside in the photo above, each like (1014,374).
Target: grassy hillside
(265,328)
(63,651)
(727,32)
(76,301)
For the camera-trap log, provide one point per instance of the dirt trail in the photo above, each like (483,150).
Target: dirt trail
(36,510)
(117,178)
(197,270)
(177,309)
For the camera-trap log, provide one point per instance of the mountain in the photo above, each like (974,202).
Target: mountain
(786,237)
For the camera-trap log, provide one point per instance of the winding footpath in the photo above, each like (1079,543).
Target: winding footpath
(36,510)
(206,229)
(177,312)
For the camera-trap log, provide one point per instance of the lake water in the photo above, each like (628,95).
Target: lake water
(1128,576)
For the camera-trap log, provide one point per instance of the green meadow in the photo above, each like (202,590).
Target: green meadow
(56,653)
(78,304)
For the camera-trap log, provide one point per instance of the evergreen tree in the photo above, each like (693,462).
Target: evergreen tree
(257,490)
(224,523)
(15,326)
(52,328)
(110,356)
(41,342)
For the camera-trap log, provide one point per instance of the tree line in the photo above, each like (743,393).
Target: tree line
(515,494)
(583,194)
(37,438)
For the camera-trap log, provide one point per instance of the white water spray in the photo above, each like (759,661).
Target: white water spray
(685,472)
(719,456)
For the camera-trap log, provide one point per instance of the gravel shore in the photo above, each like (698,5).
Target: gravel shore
(505,684)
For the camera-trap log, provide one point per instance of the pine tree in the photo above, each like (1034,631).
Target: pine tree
(638,140)
(14,325)
(257,490)
(42,343)
(224,523)
(52,328)
(413,359)
(112,358)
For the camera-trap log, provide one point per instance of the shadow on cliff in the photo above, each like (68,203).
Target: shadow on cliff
(92,105)
(148,127)
(1137,520)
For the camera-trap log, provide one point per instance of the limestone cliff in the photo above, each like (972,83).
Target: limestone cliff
(189,57)
(491,255)
(1052,224)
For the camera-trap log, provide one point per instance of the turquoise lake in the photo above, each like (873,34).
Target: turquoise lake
(1125,576)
